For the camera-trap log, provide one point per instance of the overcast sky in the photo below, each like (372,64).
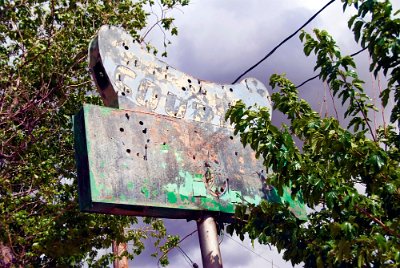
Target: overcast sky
(217,41)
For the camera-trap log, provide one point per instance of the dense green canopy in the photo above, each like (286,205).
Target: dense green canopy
(346,227)
(43,82)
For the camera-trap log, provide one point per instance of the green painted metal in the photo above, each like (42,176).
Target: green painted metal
(136,163)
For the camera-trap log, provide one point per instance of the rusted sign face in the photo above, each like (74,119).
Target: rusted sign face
(163,149)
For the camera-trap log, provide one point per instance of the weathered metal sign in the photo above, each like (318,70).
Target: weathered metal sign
(162,147)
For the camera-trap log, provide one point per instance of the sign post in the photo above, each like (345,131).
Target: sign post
(161,147)
(209,246)
(118,249)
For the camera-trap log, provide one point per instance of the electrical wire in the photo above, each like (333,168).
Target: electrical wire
(249,249)
(316,76)
(284,41)
(222,238)
(185,256)
(190,262)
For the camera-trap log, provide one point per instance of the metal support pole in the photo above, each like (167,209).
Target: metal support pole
(208,238)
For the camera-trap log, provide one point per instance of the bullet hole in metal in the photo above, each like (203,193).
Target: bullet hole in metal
(144,131)
(127,91)
(121,129)
(190,81)
(145,157)
(164,143)
(167,67)
(236,153)
(119,77)
(123,93)
(156,96)
(165,76)
(141,123)
(135,63)
(154,72)
(148,140)
(127,116)
(145,147)
(125,46)
(204,108)
(231,137)
(222,87)
(231,89)
(175,114)
(198,82)
(127,63)
(183,88)
(128,151)
(137,154)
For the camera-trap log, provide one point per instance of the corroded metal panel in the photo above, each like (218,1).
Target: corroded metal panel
(128,77)
(163,149)
(150,160)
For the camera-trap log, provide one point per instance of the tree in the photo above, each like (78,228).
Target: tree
(43,82)
(346,227)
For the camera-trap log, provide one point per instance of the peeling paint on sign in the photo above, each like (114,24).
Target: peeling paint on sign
(164,149)
(202,169)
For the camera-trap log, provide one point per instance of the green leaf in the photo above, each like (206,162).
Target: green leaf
(377,161)
(357,30)
(351,21)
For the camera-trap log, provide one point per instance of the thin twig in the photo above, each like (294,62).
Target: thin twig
(165,253)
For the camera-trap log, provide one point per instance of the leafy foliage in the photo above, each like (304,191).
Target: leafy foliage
(43,82)
(346,226)
(380,34)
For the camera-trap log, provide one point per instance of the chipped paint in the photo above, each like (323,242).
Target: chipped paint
(130,185)
(145,191)
(173,178)
(167,146)
(171,196)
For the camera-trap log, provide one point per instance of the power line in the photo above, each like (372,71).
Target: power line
(284,41)
(191,263)
(308,80)
(186,257)
(316,76)
(249,249)
(222,238)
